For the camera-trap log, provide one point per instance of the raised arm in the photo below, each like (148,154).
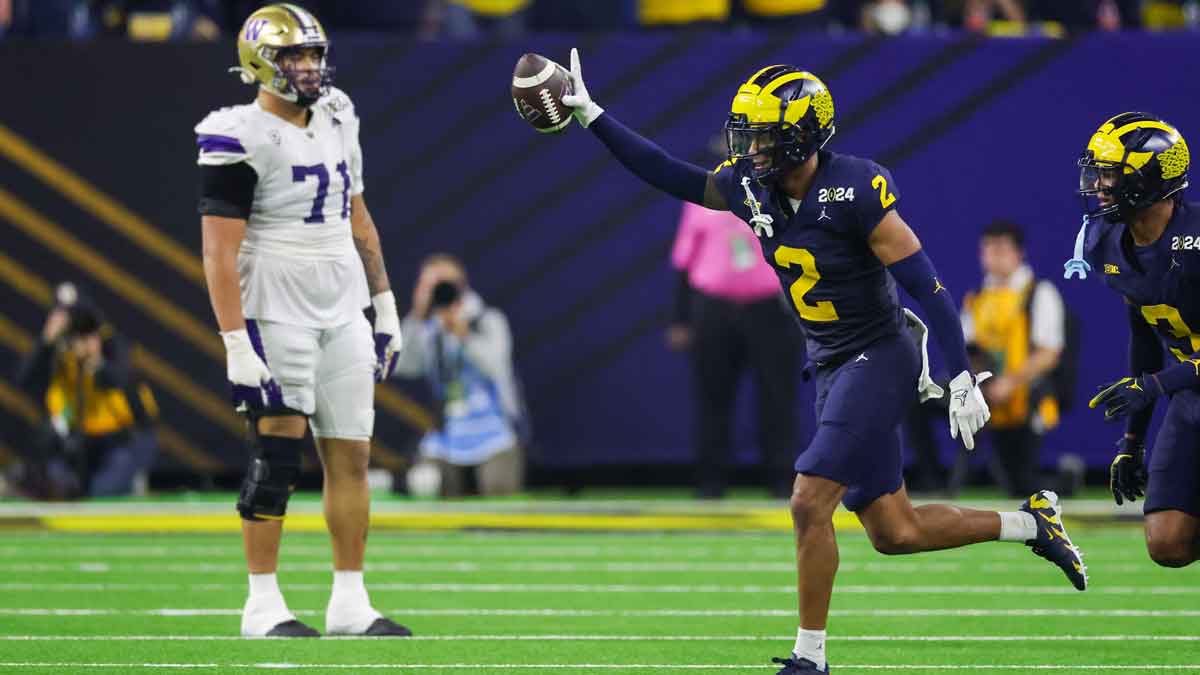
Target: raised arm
(680,179)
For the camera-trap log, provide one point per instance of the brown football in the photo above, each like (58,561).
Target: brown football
(538,86)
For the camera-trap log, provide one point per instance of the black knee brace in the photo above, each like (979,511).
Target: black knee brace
(274,468)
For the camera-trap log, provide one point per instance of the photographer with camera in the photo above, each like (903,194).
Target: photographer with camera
(98,435)
(463,348)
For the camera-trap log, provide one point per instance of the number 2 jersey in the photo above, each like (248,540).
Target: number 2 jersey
(1160,281)
(297,264)
(842,293)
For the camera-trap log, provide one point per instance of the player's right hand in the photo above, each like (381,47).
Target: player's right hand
(581,103)
(1127,474)
(254,387)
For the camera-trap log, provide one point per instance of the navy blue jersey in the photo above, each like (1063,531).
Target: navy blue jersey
(1161,280)
(842,293)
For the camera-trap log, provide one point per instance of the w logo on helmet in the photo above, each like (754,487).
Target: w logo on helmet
(254,28)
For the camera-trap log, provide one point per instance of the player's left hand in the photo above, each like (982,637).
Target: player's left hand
(1126,396)
(968,411)
(388,340)
(581,103)
(1127,474)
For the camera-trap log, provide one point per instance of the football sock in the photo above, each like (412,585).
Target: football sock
(1017,526)
(349,611)
(810,644)
(265,607)
(264,585)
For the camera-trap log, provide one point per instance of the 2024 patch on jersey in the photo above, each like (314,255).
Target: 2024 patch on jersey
(1161,280)
(298,264)
(842,293)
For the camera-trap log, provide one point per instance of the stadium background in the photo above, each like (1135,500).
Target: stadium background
(97,185)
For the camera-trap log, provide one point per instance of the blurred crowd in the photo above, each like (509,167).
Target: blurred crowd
(157,20)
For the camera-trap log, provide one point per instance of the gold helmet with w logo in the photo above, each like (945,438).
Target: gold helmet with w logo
(269,34)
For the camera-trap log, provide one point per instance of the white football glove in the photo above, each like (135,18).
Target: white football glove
(581,103)
(968,411)
(388,340)
(253,384)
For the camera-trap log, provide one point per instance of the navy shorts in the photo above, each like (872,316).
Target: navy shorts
(1174,470)
(860,404)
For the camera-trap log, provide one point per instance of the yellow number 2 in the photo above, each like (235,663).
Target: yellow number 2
(1155,313)
(785,257)
(885,198)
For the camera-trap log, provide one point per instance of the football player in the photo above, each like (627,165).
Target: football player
(292,257)
(828,225)
(1145,238)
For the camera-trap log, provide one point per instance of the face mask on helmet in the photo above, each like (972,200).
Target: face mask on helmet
(309,84)
(773,148)
(1106,190)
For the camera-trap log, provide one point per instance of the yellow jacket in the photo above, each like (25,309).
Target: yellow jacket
(1000,318)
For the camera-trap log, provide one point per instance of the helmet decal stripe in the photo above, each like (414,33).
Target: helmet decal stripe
(762,77)
(301,16)
(784,78)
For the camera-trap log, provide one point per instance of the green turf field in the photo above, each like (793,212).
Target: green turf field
(513,602)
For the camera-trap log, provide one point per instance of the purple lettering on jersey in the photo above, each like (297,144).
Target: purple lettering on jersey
(300,174)
(254,28)
(345,172)
(218,143)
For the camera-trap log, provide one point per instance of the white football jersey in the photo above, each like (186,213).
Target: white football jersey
(298,264)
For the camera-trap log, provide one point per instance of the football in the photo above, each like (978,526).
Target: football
(538,85)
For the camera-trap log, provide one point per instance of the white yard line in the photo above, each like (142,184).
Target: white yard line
(618,566)
(576,667)
(848,589)
(627,638)
(548,612)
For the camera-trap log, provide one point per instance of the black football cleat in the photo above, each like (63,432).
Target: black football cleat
(1052,542)
(385,627)
(293,629)
(794,666)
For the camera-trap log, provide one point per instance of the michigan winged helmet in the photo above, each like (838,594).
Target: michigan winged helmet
(778,119)
(1132,161)
(269,34)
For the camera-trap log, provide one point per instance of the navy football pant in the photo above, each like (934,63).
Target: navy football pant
(1174,467)
(860,405)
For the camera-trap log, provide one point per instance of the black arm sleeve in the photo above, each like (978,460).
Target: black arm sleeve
(1145,356)
(227,190)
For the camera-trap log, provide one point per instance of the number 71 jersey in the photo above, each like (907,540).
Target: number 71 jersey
(300,215)
(843,295)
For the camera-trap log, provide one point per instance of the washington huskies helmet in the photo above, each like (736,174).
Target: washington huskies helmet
(270,33)
(1136,159)
(783,113)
